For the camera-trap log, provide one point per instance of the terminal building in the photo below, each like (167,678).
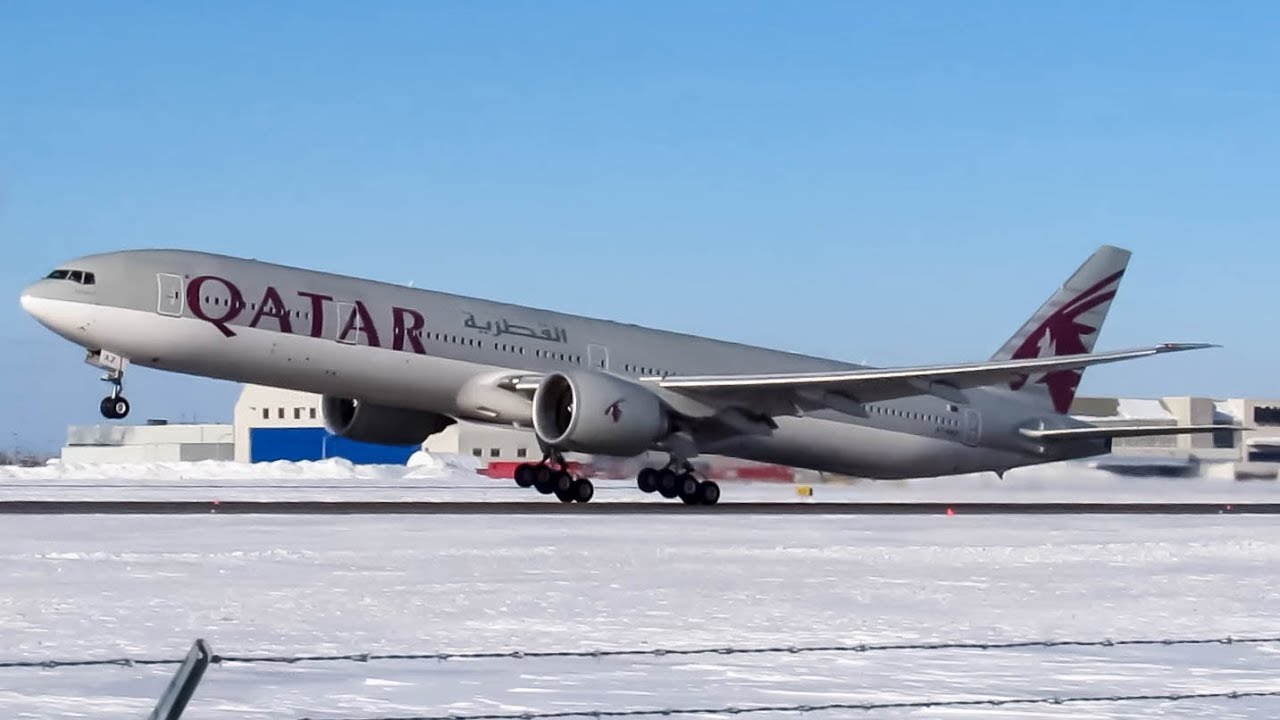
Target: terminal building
(272,424)
(1257,440)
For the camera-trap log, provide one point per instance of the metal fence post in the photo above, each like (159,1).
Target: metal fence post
(183,685)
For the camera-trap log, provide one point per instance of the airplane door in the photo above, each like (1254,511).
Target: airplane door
(972,426)
(598,356)
(171,300)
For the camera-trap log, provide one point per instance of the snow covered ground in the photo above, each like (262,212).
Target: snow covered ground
(454,478)
(111,586)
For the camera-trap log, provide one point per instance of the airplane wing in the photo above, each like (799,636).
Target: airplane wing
(745,403)
(876,384)
(1122,431)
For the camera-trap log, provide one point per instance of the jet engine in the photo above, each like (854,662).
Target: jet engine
(379,424)
(596,413)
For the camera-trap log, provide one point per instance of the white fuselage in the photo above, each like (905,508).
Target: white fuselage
(263,324)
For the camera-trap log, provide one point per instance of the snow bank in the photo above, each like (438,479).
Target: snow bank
(331,469)
(446,477)
(420,465)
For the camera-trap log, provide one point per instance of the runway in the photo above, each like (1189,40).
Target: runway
(151,507)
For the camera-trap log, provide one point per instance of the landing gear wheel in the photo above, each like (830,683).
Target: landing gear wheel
(564,496)
(687,487)
(526,475)
(583,490)
(668,486)
(114,408)
(647,480)
(542,477)
(561,481)
(708,492)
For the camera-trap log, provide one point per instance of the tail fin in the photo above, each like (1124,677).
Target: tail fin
(1067,324)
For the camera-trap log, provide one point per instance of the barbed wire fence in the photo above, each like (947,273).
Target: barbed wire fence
(728,710)
(658,652)
(827,707)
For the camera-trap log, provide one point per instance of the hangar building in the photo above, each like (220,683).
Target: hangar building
(273,424)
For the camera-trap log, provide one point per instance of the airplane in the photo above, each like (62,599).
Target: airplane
(396,364)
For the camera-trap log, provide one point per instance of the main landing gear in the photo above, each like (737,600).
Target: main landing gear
(551,476)
(684,485)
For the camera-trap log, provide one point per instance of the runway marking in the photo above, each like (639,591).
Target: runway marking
(309,507)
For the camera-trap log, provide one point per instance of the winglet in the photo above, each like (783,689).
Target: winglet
(1179,347)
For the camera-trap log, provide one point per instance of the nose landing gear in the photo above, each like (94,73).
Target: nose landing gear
(113,406)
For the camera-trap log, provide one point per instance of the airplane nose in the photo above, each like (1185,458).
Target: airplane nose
(38,303)
(29,300)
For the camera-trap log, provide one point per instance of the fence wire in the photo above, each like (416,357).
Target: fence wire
(655,652)
(825,707)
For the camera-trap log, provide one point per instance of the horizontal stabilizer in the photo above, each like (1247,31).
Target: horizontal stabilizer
(1123,431)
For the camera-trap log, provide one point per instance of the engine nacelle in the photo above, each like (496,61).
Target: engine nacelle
(596,413)
(379,424)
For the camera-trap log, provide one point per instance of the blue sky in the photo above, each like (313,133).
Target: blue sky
(895,182)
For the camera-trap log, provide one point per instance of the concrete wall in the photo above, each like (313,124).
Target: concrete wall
(136,454)
(130,444)
(1264,416)
(1192,411)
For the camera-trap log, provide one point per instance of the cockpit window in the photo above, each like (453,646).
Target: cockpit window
(76,276)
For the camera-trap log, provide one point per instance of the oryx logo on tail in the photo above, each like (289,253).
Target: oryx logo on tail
(1070,329)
